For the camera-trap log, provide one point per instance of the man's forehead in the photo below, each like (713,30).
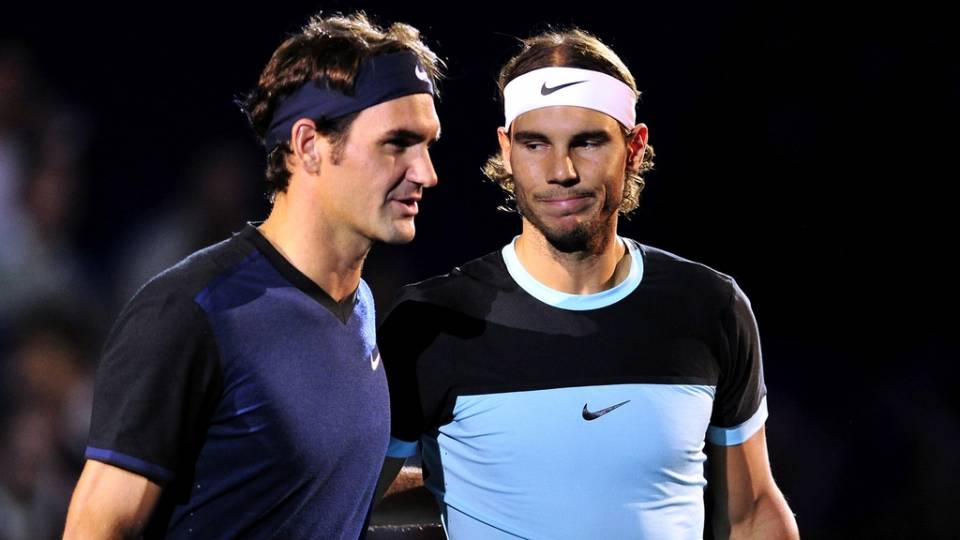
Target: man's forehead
(414,112)
(563,118)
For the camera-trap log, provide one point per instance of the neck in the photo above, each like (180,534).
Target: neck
(601,266)
(329,257)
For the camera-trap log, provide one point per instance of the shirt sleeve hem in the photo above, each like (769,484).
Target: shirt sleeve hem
(136,465)
(731,436)
(401,449)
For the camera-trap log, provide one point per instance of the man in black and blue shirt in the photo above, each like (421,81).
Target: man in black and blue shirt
(574,383)
(240,392)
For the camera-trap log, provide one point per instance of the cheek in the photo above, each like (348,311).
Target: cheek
(606,172)
(616,183)
(528,168)
(614,168)
(596,167)
(375,177)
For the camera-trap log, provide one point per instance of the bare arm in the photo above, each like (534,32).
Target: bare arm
(109,503)
(391,467)
(747,502)
(394,478)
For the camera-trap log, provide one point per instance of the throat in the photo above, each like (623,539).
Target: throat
(580,272)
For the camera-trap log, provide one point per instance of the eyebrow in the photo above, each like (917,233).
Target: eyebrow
(528,136)
(598,135)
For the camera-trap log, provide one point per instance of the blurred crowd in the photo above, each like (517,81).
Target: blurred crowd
(58,302)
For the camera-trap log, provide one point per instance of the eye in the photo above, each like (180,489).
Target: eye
(396,145)
(590,143)
(534,145)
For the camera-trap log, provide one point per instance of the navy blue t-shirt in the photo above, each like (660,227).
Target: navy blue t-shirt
(256,400)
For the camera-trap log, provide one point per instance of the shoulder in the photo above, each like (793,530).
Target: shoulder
(174,290)
(466,291)
(672,274)
(482,276)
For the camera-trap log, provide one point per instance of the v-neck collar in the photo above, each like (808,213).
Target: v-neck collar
(341,310)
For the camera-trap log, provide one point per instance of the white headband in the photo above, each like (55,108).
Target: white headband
(552,86)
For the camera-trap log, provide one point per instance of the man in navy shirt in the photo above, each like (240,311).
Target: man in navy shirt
(240,393)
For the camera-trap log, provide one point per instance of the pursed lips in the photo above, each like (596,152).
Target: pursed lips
(566,203)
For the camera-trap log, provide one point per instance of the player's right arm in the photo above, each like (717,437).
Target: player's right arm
(109,503)
(394,478)
(400,345)
(156,387)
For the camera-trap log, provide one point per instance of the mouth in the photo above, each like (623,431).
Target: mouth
(407,206)
(565,204)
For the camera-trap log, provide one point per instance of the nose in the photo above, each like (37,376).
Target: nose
(421,170)
(562,170)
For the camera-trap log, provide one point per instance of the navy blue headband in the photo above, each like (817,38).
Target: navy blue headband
(381,78)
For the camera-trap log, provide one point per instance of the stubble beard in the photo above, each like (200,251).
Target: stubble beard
(589,236)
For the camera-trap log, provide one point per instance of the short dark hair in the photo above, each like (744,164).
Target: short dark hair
(331,48)
(568,48)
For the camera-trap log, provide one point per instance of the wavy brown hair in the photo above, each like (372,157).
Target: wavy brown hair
(331,48)
(568,48)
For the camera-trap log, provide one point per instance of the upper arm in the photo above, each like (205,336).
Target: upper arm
(391,467)
(401,340)
(110,502)
(745,499)
(156,386)
(739,407)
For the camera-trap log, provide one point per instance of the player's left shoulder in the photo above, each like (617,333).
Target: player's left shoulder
(672,271)
(477,277)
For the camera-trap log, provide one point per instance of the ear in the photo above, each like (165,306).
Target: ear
(503,137)
(636,146)
(305,143)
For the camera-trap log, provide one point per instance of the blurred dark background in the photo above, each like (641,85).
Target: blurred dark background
(808,150)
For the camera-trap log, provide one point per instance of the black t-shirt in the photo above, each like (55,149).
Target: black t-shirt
(550,415)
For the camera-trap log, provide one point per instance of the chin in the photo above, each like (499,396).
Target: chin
(572,236)
(399,235)
(570,240)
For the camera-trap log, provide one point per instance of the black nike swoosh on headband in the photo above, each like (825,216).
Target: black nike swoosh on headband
(546,90)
